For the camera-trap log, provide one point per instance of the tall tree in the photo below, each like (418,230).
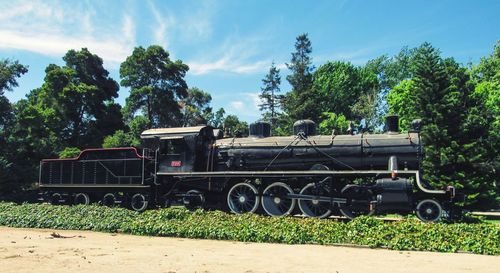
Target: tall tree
(454,132)
(81,93)
(297,103)
(269,96)
(485,118)
(10,71)
(196,107)
(157,85)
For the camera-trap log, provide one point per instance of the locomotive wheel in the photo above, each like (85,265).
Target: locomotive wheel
(358,201)
(139,202)
(275,201)
(81,199)
(194,200)
(108,200)
(243,198)
(314,208)
(429,210)
(56,199)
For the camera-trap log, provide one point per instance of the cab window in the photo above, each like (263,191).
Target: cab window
(173,147)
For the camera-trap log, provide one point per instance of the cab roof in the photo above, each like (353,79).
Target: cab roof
(177,131)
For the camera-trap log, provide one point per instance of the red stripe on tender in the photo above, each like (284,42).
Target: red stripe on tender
(93,150)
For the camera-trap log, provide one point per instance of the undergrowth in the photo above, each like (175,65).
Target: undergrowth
(407,234)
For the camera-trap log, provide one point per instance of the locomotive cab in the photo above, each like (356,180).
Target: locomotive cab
(182,149)
(175,155)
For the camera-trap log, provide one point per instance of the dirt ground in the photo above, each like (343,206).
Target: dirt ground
(42,250)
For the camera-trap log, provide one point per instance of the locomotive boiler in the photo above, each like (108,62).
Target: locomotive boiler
(305,173)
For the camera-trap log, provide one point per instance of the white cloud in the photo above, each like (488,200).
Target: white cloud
(227,64)
(246,107)
(54,45)
(255,99)
(52,29)
(159,28)
(128,28)
(87,26)
(237,105)
(236,55)
(17,10)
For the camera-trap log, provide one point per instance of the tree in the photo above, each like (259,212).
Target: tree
(454,132)
(30,139)
(401,101)
(216,119)
(269,96)
(485,119)
(69,152)
(332,121)
(233,127)
(120,139)
(9,72)
(338,87)
(157,86)
(130,136)
(73,108)
(81,94)
(196,107)
(297,103)
(138,125)
(390,72)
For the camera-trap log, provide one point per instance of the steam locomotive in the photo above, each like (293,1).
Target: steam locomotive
(314,175)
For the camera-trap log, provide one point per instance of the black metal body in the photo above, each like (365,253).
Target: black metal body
(191,166)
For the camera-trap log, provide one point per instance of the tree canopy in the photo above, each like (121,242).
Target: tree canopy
(74,108)
(156,84)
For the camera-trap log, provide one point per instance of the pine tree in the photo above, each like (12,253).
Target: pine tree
(298,103)
(453,131)
(270,98)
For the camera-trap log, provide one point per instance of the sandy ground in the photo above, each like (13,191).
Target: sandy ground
(37,250)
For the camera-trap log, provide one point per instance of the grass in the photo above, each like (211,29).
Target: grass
(407,234)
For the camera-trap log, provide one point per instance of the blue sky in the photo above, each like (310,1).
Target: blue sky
(229,45)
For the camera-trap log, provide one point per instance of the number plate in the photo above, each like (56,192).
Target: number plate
(176,164)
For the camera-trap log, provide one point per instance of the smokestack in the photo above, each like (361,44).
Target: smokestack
(392,124)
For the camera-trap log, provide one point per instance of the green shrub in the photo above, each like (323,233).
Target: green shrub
(408,234)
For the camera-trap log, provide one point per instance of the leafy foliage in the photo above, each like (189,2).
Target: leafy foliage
(338,87)
(196,107)
(120,139)
(455,125)
(408,234)
(331,122)
(401,101)
(157,85)
(233,127)
(9,72)
(69,152)
(80,97)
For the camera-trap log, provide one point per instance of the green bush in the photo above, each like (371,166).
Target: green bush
(408,234)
